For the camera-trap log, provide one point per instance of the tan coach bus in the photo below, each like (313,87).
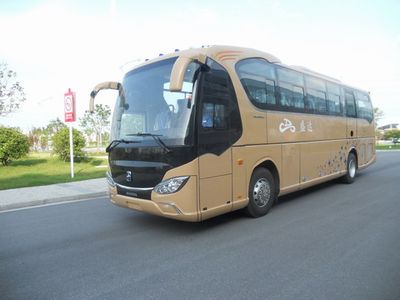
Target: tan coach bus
(202,132)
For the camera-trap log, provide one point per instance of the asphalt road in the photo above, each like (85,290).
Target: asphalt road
(334,241)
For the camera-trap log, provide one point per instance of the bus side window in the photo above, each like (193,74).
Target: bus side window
(298,97)
(291,89)
(316,102)
(207,120)
(214,116)
(258,80)
(218,116)
(256,90)
(350,104)
(316,95)
(334,104)
(270,91)
(286,94)
(364,107)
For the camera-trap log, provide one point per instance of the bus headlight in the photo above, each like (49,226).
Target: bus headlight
(171,185)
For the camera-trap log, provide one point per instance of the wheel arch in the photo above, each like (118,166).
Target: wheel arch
(271,166)
(354,151)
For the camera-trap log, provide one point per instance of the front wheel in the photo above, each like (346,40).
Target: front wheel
(351,169)
(262,193)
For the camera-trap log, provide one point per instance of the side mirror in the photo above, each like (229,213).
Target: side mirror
(108,85)
(179,69)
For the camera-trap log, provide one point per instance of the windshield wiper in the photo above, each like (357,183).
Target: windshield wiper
(115,143)
(155,137)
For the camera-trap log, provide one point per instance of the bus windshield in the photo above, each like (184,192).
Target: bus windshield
(146,108)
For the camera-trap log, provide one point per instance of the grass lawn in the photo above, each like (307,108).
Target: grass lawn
(388,147)
(43,168)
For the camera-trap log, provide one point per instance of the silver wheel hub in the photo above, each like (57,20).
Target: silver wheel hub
(262,192)
(352,168)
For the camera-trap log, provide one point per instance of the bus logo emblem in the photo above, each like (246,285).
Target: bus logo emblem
(128,176)
(287,125)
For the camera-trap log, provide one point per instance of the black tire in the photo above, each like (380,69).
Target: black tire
(351,171)
(262,193)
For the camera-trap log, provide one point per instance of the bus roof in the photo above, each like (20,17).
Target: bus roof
(219,53)
(229,55)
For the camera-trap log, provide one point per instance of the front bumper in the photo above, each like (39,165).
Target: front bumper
(181,205)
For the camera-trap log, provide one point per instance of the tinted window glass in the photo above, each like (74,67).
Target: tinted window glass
(316,95)
(333,88)
(219,123)
(315,83)
(350,104)
(287,90)
(214,116)
(364,106)
(255,66)
(270,86)
(315,101)
(207,120)
(290,76)
(259,92)
(258,79)
(298,97)
(291,97)
(216,99)
(334,104)
(286,94)
(219,105)
(291,92)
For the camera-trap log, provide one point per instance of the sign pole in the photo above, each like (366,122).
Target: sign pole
(71,150)
(70,116)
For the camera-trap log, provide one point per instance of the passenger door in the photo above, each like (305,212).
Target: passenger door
(218,128)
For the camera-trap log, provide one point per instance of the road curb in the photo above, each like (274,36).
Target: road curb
(36,202)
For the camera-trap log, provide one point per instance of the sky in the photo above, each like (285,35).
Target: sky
(60,44)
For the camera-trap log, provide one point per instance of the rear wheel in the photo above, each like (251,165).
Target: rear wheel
(351,169)
(262,193)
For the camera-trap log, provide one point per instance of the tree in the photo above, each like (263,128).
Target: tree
(13,145)
(11,92)
(378,115)
(392,134)
(55,126)
(37,137)
(96,122)
(44,142)
(88,131)
(61,144)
